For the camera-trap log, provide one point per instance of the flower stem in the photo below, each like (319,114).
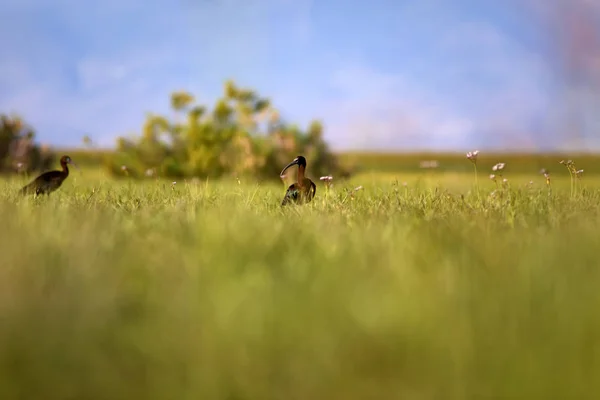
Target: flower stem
(571,174)
(477,182)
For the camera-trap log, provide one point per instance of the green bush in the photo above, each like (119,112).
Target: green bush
(242,135)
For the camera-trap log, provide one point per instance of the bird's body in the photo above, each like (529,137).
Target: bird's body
(302,191)
(49,181)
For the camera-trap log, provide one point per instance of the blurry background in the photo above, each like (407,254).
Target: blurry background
(318,77)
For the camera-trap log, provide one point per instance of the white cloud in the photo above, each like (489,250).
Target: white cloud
(384,111)
(95,74)
(492,92)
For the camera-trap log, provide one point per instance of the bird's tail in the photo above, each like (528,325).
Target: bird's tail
(27,189)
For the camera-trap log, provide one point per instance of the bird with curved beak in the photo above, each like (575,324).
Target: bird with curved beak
(301,191)
(49,181)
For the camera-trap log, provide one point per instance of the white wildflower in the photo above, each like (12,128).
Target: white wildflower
(498,167)
(472,156)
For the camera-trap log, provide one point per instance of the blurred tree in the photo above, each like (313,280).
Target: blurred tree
(181,100)
(18,151)
(241,135)
(87,141)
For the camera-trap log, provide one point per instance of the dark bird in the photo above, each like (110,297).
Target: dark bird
(49,181)
(301,191)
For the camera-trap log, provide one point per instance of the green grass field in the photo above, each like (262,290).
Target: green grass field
(114,289)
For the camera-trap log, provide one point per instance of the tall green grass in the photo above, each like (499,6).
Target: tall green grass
(209,290)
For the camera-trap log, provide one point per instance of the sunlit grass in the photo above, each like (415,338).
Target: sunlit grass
(413,288)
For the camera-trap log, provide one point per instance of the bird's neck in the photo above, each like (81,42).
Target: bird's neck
(301,174)
(65,169)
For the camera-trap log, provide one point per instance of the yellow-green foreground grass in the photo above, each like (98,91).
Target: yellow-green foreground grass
(209,290)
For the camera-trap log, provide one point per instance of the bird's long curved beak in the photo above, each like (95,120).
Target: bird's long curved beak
(75,165)
(295,162)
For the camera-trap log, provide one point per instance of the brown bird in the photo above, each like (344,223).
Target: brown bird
(301,191)
(49,181)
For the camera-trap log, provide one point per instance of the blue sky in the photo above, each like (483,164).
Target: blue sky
(380,74)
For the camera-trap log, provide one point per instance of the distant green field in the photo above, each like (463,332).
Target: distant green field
(412,162)
(420,285)
(456,162)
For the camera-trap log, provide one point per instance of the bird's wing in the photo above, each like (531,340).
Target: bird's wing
(291,194)
(50,176)
(44,179)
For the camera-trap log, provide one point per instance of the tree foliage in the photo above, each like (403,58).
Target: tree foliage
(242,134)
(18,150)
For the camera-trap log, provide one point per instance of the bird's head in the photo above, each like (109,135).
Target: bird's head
(299,161)
(67,160)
